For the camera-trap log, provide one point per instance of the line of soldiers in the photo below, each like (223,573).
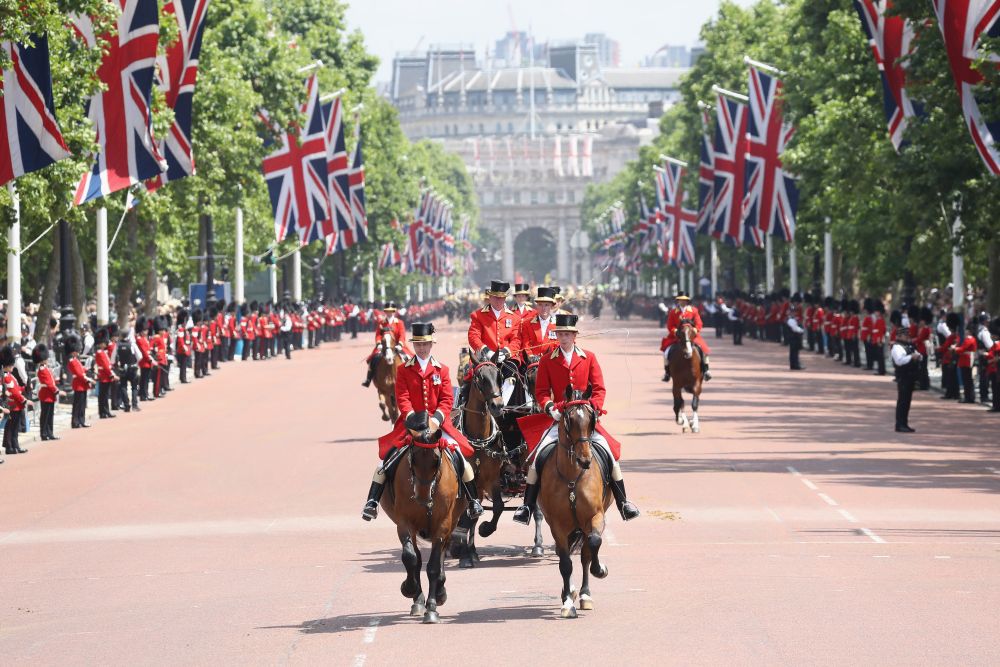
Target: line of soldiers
(841,329)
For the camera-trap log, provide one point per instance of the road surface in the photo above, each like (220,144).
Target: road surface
(222,526)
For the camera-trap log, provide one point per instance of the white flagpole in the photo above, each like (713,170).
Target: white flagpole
(238,290)
(793,269)
(14,267)
(715,268)
(827,261)
(769,261)
(103,301)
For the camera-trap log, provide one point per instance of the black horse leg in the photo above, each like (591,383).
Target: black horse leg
(487,528)
(595,542)
(537,550)
(566,596)
(678,406)
(586,556)
(694,402)
(434,566)
(411,585)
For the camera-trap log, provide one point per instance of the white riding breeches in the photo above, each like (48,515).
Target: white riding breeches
(551,437)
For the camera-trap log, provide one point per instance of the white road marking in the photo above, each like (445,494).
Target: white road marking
(995,471)
(371,630)
(874,538)
(359,660)
(774,515)
(847,515)
(827,499)
(943,557)
(883,556)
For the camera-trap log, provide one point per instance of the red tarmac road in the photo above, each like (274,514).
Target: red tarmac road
(222,526)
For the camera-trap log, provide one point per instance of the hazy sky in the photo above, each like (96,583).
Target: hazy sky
(640,26)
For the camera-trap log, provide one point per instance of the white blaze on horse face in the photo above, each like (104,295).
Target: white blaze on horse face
(387,343)
(687,349)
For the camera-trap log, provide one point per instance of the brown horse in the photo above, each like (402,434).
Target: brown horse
(574,498)
(685,373)
(385,377)
(423,501)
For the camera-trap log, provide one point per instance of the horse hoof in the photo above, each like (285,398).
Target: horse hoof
(385,418)
(409,589)
(487,529)
(568,612)
(695,429)
(417,610)
(431,617)
(601,573)
(537,552)
(442,596)
(586,603)
(466,562)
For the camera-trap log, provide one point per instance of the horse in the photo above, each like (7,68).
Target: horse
(574,499)
(685,374)
(385,377)
(424,502)
(479,421)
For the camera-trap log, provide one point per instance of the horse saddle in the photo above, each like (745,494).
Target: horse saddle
(599,454)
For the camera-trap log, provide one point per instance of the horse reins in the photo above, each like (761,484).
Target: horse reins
(570,448)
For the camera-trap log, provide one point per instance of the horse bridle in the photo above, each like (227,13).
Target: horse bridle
(432,482)
(570,446)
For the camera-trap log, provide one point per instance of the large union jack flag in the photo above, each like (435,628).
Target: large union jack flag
(730,167)
(891,40)
(359,210)
(771,196)
(679,221)
(963,23)
(337,177)
(121,114)
(28,122)
(178,72)
(706,176)
(296,174)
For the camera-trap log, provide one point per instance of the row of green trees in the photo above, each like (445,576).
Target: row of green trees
(891,214)
(251,53)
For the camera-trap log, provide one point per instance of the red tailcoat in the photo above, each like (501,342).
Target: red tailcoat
(533,342)
(485,330)
(429,390)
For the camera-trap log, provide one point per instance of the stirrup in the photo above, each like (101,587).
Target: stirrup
(475,509)
(522,515)
(370,511)
(707,375)
(629,511)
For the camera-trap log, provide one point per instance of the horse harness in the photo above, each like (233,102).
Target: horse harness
(570,448)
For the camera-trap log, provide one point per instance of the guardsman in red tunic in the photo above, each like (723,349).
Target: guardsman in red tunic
(389,325)
(538,334)
(105,375)
(965,349)
(182,345)
(849,334)
(993,364)
(566,366)
(920,343)
(682,310)
(16,402)
(878,335)
(145,359)
(423,384)
(48,392)
(818,318)
(865,332)
(949,366)
(81,384)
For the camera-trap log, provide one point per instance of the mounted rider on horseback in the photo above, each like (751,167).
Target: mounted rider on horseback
(393,326)
(683,310)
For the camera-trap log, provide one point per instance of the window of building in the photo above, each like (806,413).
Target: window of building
(552,196)
(517,196)
(571,196)
(534,196)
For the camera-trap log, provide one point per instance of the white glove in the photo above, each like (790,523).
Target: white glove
(555,414)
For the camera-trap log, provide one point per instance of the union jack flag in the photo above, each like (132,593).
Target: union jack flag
(706,176)
(963,23)
(296,174)
(678,219)
(771,196)
(359,212)
(891,39)
(389,256)
(28,121)
(338,180)
(730,167)
(121,114)
(178,72)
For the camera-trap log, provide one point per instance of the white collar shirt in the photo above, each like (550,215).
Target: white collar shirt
(568,356)
(496,313)
(423,363)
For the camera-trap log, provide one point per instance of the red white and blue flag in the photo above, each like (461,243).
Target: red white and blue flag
(178,72)
(963,24)
(679,220)
(338,171)
(359,210)
(729,155)
(771,196)
(706,176)
(891,40)
(296,174)
(127,153)
(28,122)
(389,256)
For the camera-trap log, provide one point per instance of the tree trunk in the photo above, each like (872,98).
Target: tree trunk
(126,282)
(51,288)
(152,277)
(79,287)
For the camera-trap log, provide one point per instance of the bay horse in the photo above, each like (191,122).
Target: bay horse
(685,375)
(424,502)
(478,420)
(385,377)
(574,499)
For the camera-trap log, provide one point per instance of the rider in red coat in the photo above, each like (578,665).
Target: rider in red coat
(683,310)
(494,327)
(422,385)
(392,326)
(538,335)
(566,366)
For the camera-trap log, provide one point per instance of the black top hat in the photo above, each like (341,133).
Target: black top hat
(522,288)
(422,332)
(546,295)
(681,296)
(498,288)
(390,307)
(566,322)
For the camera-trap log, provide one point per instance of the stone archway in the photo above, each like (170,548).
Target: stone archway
(536,253)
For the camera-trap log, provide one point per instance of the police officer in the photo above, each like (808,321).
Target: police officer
(794,332)
(907,362)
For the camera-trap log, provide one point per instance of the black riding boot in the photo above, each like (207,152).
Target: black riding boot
(472,495)
(666,373)
(371,507)
(706,374)
(625,506)
(523,513)
(372,365)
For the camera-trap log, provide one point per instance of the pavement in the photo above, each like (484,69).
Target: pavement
(222,526)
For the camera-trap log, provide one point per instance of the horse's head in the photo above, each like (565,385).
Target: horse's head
(685,335)
(579,420)
(424,458)
(486,381)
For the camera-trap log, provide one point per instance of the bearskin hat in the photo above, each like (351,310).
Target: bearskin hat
(112,330)
(995,327)
(231,308)
(796,298)
(71,344)
(163,323)
(913,312)
(926,315)
(196,316)
(953,320)
(140,325)
(254,306)
(854,307)
(896,318)
(7,356)
(40,354)
(101,336)
(182,317)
